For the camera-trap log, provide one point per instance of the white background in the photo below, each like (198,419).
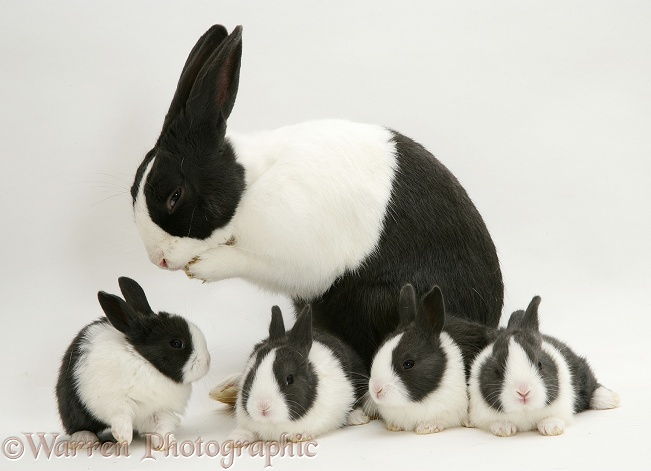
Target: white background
(541,109)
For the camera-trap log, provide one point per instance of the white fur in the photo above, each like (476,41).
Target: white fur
(198,364)
(604,398)
(314,206)
(121,388)
(335,398)
(445,407)
(517,416)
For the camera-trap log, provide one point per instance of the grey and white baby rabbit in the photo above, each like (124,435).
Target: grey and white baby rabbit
(526,380)
(301,383)
(131,370)
(418,376)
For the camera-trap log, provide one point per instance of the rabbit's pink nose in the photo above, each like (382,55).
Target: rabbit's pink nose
(523,392)
(378,389)
(264,408)
(163,263)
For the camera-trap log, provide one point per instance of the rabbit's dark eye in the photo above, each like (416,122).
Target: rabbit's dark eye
(408,364)
(539,365)
(173,199)
(289,380)
(177,343)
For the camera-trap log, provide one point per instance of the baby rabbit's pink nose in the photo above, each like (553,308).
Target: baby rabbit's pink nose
(264,407)
(378,389)
(163,263)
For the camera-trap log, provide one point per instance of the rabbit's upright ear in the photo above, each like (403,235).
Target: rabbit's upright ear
(530,317)
(301,334)
(119,313)
(134,295)
(206,45)
(407,305)
(434,310)
(276,326)
(215,88)
(515,321)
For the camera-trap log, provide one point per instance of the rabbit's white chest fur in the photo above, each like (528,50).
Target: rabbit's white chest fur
(313,208)
(112,379)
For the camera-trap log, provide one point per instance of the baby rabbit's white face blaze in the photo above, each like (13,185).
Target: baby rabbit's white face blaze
(524,388)
(199,362)
(385,386)
(265,401)
(164,250)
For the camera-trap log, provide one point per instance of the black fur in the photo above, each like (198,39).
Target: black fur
(470,337)
(433,234)
(418,359)
(74,415)
(153,340)
(292,350)
(523,327)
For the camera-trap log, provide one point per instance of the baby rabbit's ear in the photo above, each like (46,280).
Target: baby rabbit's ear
(202,50)
(434,310)
(277,326)
(119,314)
(408,305)
(301,334)
(515,321)
(530,318)
(134,295)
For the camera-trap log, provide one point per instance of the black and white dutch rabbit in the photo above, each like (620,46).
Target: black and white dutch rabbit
(131,370)
(418,376)
(300,383)
(526,380)
(332,213)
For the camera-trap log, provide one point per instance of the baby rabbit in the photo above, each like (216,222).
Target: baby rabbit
(418,376)
(301,383)
(131,370)
(525,380)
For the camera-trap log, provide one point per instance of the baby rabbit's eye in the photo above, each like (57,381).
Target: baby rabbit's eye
(408,364)
(176,343)
(173,199)
(540,366)
(289,380)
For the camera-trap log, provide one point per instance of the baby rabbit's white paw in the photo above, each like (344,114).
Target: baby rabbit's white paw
(424,429)
(393,427)
(503,429)
(83,439)
(357,417)
(551,426)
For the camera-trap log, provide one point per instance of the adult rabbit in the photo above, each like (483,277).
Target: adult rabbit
(332,213)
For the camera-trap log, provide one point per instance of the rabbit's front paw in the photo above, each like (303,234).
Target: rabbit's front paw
(198,269)
(503,429)
(551,426)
